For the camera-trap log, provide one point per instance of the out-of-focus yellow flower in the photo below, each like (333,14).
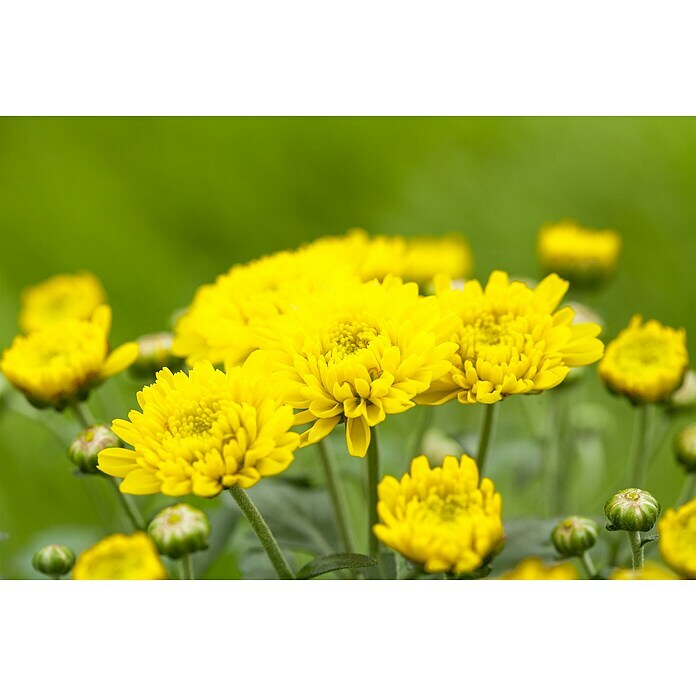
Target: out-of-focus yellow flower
(427,257)
(202,432)
(583,256)
(221,323)
(61,362)
(120,557)
(441,517)
(64,296)
(677,530)
(535,569)
(651,571)
(511,339)
(358,356)
(417,259)
(645,362)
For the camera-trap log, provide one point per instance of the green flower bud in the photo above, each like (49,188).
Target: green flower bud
(437,445)
(574,535)
(685,448)
(180,530)
(154,353)
(631,510)
(54,560)
(685,397)
(86,446)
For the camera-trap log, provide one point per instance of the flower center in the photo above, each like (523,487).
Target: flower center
(447,509)
(348,338)
(642,351)
(195,422)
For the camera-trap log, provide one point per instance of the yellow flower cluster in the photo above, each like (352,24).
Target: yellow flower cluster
(441,518)
(63,296)
(511,339)
(120,557)
(535,569)
(60,362)
(358,356)
(223,322)
(677,530)
(202,432)
(645,362)
(584,256)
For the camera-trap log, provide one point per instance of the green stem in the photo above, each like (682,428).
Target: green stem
(129,507)
(688,491)
(423,426)
(186,568)
(263,532)
(337,498)
(372,481)
(636,550)
(588,565)
(640,456)
(83,414)
(487,427)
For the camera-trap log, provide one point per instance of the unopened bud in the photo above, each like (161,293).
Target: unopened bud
(154,353)
(631,510)
(437,445)
(685,447)
(574,535)
(685,397)
(86,446)
(180,530)
(54,560)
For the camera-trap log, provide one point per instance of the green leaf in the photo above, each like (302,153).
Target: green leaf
(648,540)
(335,561)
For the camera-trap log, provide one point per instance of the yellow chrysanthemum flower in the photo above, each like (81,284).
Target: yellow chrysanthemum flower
(651,571)
(120,557)
(221,323)
(645,362)
(61,362)
(358,356)
(511,339)
(535,569)
(202,432)
(64,296)
(441,517)
(582,255)
(677,530)
(417,259)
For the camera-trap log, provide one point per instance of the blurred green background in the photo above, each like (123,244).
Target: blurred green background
(157,206)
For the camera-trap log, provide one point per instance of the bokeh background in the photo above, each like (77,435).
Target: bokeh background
(157,206)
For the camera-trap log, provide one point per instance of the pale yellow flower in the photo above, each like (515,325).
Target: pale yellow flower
(64,296)
(646,362)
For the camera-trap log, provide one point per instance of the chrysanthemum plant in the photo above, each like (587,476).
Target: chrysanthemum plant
(286,368)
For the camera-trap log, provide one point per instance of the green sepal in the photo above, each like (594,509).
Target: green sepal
(334,561)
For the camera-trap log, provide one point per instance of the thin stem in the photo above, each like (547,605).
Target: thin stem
(129,507)
(588,565)
(337,498)
(688,491)
(487,427)
(640,455)
(263,532)
(83,414)
(186,567)
(423,426)
(636,550)
(372,481)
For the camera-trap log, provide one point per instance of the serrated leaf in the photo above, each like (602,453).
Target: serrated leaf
(336,561)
